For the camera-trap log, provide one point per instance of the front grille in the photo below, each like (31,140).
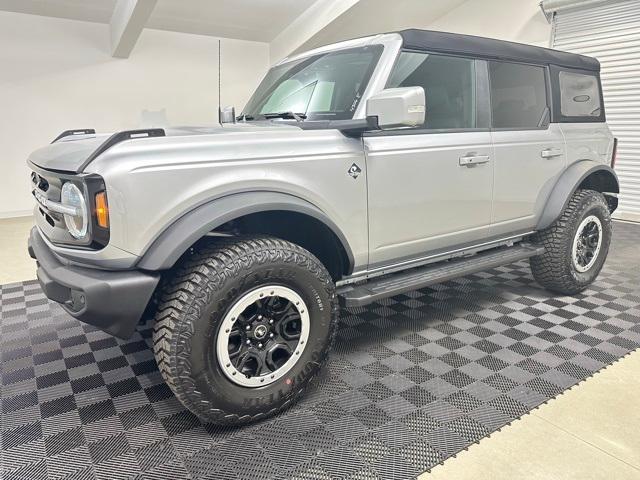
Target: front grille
(51,224)
(47,217)
(39,182)
(40,187)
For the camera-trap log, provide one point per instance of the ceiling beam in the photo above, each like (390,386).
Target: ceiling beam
(128,21)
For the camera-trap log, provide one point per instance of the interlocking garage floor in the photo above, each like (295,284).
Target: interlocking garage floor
(412,381)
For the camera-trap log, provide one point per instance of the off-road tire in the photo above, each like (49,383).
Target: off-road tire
(193,302)
(554,269)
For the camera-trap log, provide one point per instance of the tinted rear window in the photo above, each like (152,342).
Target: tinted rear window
(579,95)
(518,95)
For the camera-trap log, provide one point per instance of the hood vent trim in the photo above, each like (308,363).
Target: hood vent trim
(78,131)
(118,138)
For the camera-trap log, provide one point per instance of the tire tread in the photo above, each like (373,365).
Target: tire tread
(188,286)
(550,269)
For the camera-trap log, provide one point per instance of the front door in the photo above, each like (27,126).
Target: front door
(430,189)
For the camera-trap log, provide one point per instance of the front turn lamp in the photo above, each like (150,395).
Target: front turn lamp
(102,210)
(77,223)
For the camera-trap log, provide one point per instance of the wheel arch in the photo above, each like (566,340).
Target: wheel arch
(584,174)
(183,233)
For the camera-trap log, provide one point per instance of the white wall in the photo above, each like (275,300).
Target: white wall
(57,74)
(309,23)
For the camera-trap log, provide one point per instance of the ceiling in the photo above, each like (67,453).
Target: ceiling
(364,19)
(257,20)
(286,25)
(88,10)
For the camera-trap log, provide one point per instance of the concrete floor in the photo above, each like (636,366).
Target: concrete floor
(15,263)
(590,432)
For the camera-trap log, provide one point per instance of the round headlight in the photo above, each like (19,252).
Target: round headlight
(77,224)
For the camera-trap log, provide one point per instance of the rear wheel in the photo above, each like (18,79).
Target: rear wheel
(576,245)
(243,327)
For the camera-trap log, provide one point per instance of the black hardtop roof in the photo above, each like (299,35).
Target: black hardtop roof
(444,42)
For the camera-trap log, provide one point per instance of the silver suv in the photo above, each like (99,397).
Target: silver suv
(355,172)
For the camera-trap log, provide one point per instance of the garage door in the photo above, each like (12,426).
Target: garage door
(610,31)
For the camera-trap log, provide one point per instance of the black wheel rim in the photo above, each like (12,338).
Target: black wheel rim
(587,243)
(263,335)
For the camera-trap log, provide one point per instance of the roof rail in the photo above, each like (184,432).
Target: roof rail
(121,137)
(77,131)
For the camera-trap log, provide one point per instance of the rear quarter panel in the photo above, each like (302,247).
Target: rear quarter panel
(587,141)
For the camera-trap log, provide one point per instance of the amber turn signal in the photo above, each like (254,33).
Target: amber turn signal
(102,210)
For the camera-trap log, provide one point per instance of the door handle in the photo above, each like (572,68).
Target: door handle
(551,152)
(471,160)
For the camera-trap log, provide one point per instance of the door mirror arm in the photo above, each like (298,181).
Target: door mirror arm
(350,128)
(355,128)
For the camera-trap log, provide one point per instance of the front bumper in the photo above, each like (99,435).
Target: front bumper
(113,301)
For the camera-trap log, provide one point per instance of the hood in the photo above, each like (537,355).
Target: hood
(70,154)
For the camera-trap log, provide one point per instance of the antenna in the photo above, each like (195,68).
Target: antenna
(228,115)
(219,80)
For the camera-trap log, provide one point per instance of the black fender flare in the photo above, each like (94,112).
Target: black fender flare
(169,246)
(569,182)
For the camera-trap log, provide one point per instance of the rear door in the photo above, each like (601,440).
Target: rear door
(529,151)
(430,188)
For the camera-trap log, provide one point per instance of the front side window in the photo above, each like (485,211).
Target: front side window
(579,95)
(449,87)
(518,95)
(327,86)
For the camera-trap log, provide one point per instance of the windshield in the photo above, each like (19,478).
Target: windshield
(327,86)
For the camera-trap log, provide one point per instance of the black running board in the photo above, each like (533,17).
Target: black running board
(397,283)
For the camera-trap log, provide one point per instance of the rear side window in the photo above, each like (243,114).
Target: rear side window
(518,95)
(449,87)
(579,95)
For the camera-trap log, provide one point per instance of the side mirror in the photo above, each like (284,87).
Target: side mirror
(227,115)
(398,107)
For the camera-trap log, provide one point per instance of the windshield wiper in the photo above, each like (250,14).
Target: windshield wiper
(298,117)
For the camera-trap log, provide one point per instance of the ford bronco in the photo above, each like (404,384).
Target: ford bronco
(355,172)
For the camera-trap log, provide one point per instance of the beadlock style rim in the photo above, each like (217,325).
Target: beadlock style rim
(587,243)
(263,336)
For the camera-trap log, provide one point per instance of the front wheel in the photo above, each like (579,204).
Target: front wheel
(243,327)
(576,245)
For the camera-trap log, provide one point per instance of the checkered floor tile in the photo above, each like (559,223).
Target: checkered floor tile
(412,380)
